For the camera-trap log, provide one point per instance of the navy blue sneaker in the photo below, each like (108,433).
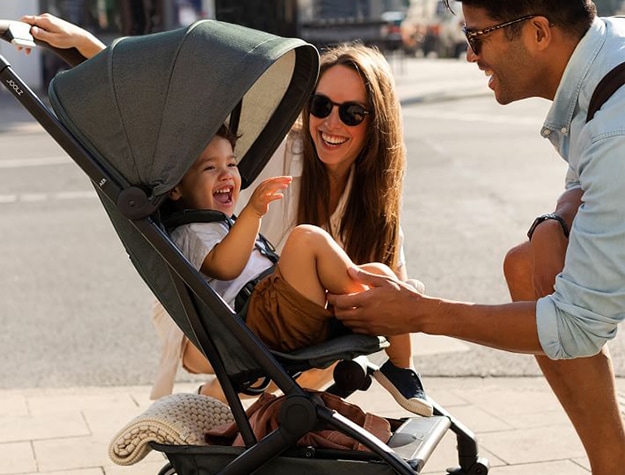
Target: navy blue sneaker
(406,387)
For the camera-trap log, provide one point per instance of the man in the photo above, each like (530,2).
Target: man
(568,290)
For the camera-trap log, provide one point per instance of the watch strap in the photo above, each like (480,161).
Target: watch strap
(545,217)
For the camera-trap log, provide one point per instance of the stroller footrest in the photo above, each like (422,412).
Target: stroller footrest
(417,437)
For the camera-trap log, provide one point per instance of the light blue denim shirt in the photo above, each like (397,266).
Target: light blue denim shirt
(589,298)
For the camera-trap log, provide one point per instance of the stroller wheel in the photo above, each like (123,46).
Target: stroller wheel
(168,469)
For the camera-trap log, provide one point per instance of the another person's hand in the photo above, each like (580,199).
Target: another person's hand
(269,190)
(381,310)
(62,34)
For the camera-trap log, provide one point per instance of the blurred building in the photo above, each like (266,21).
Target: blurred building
(320,22)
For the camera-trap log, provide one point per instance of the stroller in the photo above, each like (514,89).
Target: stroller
(120,117)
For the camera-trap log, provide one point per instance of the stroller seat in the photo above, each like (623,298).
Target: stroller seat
(134,123)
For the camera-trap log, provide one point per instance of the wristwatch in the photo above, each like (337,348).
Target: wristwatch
(545,217)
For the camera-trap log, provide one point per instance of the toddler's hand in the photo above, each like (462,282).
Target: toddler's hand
(269,190)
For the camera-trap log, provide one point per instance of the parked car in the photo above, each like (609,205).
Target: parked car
(431,29)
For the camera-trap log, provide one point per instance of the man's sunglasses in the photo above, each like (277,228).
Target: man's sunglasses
(350,113)
(473,36)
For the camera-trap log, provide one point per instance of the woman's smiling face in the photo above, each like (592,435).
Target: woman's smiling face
(338,145)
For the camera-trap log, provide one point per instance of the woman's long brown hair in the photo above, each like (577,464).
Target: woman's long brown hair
(370,225)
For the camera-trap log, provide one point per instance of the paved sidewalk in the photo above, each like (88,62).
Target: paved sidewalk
(519,425)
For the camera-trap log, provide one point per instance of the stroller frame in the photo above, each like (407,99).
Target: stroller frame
(133,210)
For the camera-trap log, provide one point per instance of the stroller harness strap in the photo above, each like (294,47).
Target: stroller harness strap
(262,245)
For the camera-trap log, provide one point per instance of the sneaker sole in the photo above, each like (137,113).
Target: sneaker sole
(414,405)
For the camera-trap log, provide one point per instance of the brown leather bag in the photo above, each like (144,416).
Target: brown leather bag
(263,416)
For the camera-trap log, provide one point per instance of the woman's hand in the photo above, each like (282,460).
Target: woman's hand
(62,34)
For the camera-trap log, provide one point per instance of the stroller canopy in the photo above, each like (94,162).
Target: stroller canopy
(147,106)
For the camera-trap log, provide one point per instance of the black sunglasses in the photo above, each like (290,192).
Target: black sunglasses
(473,35)
(350,113)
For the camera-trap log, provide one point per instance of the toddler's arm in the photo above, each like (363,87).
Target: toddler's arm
(228,258)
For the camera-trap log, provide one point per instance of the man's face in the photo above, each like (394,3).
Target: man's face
(507,63)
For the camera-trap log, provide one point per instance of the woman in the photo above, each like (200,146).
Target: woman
(347,160)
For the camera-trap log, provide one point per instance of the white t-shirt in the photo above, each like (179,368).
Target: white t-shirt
(196,240)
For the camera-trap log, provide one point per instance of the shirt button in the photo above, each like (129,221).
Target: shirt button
(564,130)
(546,132)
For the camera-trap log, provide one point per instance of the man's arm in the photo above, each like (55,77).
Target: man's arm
(390,307)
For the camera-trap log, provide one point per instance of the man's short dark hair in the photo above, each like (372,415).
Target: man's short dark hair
(572,16)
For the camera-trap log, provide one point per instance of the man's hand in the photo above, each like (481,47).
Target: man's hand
(383,309)
(269,190)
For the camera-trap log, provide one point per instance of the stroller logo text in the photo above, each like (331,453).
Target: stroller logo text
(13,85)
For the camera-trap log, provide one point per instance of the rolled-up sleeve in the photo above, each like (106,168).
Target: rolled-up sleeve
(588,301)
(567,332)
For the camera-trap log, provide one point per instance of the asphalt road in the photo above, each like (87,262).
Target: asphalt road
(75,312)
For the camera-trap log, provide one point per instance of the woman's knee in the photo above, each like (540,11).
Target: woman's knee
(378,268)
(304,234)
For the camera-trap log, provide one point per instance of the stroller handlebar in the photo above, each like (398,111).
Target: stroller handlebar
(18,34)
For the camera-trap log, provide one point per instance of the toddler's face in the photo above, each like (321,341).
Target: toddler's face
(213,182)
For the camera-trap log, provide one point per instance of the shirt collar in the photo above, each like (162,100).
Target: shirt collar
(567,96)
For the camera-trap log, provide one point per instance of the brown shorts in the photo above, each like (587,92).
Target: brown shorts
(283,318)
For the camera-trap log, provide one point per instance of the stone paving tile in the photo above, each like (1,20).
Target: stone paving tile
(13,406)
(16,457)
(151,465)
(533,445)
(44,426)
(565,467)
(548,418)
(61,403)
(107,423)
(477,420)
(582,462)
(446,398)
(71,453)
(514,401)
(85,471)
